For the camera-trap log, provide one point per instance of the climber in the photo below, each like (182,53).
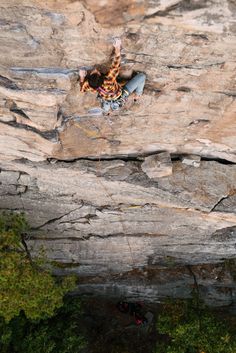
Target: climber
(133,309)
(109,92)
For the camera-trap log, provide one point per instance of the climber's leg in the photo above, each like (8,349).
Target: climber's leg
(136,84)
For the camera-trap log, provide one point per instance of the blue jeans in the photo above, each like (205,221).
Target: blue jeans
(136,84)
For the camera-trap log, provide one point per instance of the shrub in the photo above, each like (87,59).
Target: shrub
(25,284)
(194,329)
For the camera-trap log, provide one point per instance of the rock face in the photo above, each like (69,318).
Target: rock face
(157,166)
(141,202)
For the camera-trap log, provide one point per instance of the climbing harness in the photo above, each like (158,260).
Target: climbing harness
(114,104)
(111,93)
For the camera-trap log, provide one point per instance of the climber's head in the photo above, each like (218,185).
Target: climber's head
(95,79)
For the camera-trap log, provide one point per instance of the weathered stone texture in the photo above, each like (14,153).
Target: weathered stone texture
(186,48)
(157,166)
(103,224)
(89,183)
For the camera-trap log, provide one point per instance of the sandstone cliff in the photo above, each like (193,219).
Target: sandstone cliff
(129,200)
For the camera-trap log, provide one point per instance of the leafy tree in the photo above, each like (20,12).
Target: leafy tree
(25,285)
(61,333)
(193,329)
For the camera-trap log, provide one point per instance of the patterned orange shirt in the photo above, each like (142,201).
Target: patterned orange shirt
(110,88)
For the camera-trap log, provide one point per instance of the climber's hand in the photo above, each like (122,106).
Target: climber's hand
(117,44)
(82,74)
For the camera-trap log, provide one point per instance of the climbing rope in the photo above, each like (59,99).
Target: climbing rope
(113,201)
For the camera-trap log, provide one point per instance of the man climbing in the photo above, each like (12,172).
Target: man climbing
(109,91)
(134,309)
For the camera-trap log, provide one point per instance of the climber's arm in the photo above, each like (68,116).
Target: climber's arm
(115,67)
(84,85)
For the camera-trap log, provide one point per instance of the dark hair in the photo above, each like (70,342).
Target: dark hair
(95,80)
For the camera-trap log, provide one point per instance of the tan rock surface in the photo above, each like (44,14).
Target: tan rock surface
(98,208)
(186,48)
(158,165)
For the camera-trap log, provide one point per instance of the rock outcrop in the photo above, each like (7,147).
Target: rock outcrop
(131,200)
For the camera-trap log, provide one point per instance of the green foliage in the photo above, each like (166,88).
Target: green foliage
(193,329)
(58,334)
(11,228)
(24,283)
(230,265)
